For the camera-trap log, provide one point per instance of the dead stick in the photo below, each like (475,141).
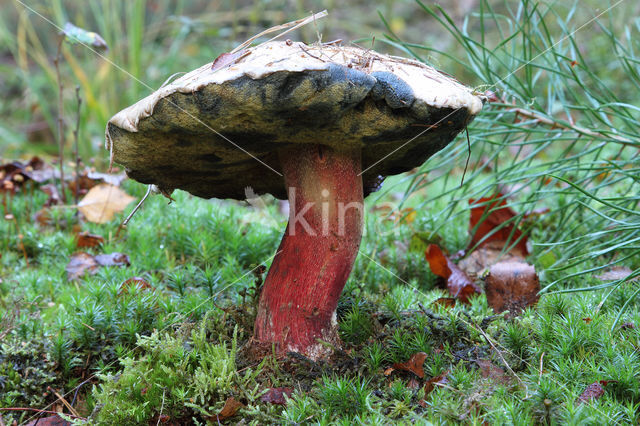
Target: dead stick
(64,401)
(37,410)
(56,62)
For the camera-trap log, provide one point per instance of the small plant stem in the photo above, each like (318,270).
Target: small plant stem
(56,62)
(64,401)
(75,146)
(36,410)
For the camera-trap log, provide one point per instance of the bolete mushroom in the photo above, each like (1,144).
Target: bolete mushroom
(319,124)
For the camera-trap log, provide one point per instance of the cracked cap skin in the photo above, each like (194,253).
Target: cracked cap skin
(278,95)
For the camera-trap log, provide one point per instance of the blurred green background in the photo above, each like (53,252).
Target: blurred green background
(151,40)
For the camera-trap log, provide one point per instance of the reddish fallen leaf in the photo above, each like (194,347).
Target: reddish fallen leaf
(113,259)
(487,215)
(90,178)
(492,371)
(388,371)
(447,302)
(49,421)
(227,59)
(54,195)
(459,284)
(87,240)
(587,320)
(80,264)
(413,384)
(413,365)
(432,383)
(512,286)
(13,175)
(231,407)
(135,281)
(43,217)
(594,391)
(277,396)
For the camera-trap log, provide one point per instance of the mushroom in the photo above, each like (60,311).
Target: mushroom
(317,124)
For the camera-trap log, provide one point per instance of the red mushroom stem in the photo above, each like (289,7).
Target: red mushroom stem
(297,307)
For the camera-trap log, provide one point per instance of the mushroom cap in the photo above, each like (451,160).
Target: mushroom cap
(214,132)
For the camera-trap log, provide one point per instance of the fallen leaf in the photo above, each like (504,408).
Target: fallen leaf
(113,259)
(413,365)
(137,281)
(447,302)
(594,391)
(627,326)
(388,371)
(43,217)
(231,407)
(413,384)
(459,284)
(512,286)
(52,191)
(87,240)
(617,273)
(488,216)
(49,421)
(227,59)
(80,264)
(277,396)
(431,384)
(479,260)
(492,371)
(587,320)
(102,202)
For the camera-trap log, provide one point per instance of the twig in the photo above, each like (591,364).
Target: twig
(135,209)
(37,410)
(541,364)
(558,125)
(75,143)
(56,62)
(64,401)
(161,408)
(289,26)
(500,355)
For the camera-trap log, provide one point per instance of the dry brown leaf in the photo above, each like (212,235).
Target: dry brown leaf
(447,302)
(594,391)
(512,286)
(113,259)
(49,421)
(492,371)
(277,396)
(80,264)
(413,365)
(135,281)
(459,284)
(102,202)
(487,218)
(432,383)
(87,240)
(482,258)
(231,407)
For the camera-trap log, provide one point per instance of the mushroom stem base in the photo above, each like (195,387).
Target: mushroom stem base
(297,307)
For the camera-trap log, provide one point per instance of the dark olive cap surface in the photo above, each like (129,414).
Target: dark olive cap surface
(215,132)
